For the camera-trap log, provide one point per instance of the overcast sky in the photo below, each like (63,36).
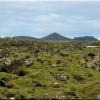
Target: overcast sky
(40,18)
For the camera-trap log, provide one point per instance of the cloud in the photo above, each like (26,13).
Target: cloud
(34,18)
(94,23)
(48,0)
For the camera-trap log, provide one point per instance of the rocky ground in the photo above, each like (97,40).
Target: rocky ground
(48,70)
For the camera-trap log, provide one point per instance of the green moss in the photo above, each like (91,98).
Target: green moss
(49,62)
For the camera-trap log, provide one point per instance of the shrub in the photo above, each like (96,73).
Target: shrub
(79,77)
(12,93)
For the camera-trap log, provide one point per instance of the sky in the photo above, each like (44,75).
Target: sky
(39,18)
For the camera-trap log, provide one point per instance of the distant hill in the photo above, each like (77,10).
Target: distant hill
(55,36)
(85,38)
(24,38)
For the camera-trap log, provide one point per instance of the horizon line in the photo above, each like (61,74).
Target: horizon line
(47,35)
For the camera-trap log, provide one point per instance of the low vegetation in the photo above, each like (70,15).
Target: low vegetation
(49,70)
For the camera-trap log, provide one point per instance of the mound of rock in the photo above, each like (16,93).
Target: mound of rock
(91,60)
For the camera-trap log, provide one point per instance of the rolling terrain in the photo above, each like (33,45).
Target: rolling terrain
(56,37)
(89,38)
(49,70)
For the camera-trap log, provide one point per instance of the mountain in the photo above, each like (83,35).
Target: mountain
(55,36)
(85,38)
(24,38)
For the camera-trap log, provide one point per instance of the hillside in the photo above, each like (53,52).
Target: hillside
(55,36)
(85,38)
(24,38)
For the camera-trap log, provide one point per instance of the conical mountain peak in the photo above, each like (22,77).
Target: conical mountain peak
(55,36)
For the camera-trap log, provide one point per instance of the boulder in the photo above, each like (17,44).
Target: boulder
(28,62)
(53,65)
(63,77)
(98,96)
(56,85)
(5,62)
(2,83)
(5,84)
(92,55)
(12,98)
